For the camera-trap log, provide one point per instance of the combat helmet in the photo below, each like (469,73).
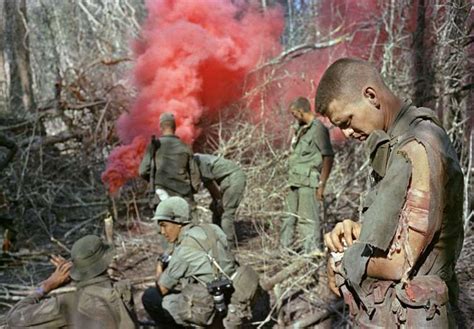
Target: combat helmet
(173,209)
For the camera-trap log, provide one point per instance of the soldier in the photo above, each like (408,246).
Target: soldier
(202,282)
(225,181)
(96,303)
(168,164)
(399,271)
(310,164)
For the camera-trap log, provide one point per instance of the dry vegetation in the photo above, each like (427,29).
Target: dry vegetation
(53,191)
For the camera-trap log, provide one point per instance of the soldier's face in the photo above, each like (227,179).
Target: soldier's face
(297,114)
(356,119)
(170,231)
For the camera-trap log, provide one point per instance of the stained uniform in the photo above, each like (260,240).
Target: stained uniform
(175,170)
(231,180)
(428,291)
(310,143)
(96,302)
(188,273)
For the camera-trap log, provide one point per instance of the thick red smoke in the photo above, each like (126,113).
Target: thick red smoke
(191,60)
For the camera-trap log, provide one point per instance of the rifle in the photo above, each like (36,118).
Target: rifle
(155,145)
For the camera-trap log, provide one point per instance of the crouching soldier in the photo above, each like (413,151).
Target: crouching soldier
(96,303)
(202,283)
(225,181)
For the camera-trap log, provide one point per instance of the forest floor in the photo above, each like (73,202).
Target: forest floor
(138,244)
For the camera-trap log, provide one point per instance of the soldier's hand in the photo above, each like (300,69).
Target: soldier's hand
(59,277)
(159,269)
(57,260)
(320,193)
(347,231)
(332,277)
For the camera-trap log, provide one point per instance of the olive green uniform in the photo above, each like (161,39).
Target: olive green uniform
(428,291)
(96,303)
(174,168)
(310,143)
(190,269)
(231,180)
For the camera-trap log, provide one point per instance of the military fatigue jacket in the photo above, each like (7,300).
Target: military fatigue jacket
(383,208)
(174,168)
(189,260)
(95,304)
(214,167)
(310,143)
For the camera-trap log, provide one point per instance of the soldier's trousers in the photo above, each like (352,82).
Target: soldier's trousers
(181,309)
(303,217)
(232,188)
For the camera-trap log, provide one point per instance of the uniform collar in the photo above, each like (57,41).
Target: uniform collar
(183,233)
(93,281)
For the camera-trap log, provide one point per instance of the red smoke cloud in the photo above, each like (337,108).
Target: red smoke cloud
(192,59)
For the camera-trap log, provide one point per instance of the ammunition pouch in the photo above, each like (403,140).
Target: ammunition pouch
(199,306)
(422,300)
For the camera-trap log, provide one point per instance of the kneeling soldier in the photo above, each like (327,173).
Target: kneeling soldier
(96,303)
(201,282)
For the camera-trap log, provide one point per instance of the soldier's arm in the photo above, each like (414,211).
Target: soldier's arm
(145,165)
(328,161)
(323,142)
(34,310)
(169,278)
(392,266)
(213,189)
(194,173)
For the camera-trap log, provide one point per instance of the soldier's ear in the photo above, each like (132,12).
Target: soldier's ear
(371,95)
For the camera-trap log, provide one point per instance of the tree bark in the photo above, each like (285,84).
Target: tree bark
(20,95)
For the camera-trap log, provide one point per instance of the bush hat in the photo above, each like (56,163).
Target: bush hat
(90,257)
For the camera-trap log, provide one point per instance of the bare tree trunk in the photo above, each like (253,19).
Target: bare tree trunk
(3,73)
(20,98)
(424,76)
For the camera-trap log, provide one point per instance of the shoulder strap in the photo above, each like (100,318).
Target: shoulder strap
(213,254)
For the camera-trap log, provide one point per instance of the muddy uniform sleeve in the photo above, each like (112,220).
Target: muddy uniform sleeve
(34,311)
(322,140)
(145,165)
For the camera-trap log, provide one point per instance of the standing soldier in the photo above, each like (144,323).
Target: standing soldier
(310,164)
(225,181)
(201,280)
(168,164)
(399,271)
(96,303)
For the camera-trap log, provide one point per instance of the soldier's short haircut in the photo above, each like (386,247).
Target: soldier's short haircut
(302,104)
(345,79)
(168,124)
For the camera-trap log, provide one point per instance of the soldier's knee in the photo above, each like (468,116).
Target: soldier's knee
(151,298)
